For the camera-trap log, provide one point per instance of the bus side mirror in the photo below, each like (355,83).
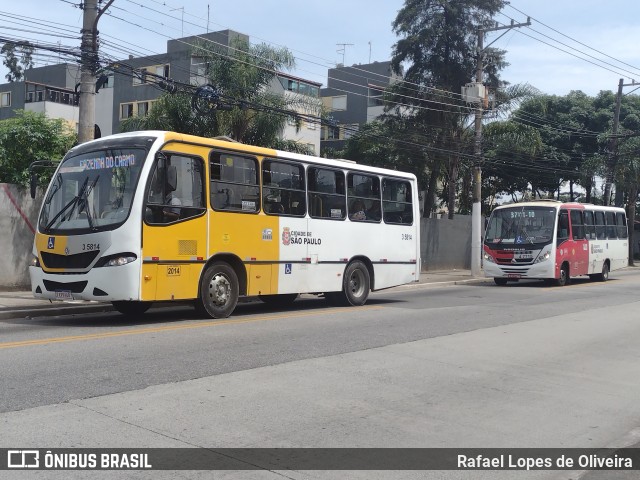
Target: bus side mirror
(33,178)
(33,184)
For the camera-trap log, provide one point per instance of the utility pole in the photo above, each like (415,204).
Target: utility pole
(88,68)
(612,159)
(476,212)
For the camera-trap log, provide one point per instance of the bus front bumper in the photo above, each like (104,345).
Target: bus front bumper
(535,271)
(104,284)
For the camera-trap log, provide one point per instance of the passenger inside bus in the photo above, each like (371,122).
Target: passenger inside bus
(356,211)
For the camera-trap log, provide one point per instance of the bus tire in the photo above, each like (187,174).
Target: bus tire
(564,278)
(500,280)
(219,290)
(604,276)
(356,284)
(281,300)
(131,308)
(355,287)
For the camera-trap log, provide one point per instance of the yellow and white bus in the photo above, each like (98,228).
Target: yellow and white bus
(154,216)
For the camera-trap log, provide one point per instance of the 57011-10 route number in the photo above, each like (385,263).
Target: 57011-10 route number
(407,236)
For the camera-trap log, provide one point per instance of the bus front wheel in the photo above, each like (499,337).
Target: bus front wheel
(500,280)
(219,290)
(564,276)
(131,308)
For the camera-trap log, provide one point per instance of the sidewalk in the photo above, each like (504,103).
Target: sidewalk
(21,303)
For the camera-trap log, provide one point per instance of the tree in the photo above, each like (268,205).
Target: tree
(246,110)
(439,46)
(628,177)
(16,65)
(31,136)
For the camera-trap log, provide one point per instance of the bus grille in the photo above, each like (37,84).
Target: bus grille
(187,247)
(73,287)
(79,260)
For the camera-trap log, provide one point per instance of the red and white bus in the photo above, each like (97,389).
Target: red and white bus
(554,241)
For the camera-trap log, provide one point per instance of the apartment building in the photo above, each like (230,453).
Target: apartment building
(353,97)
(130,87)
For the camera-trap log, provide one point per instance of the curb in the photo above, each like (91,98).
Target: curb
(53,311)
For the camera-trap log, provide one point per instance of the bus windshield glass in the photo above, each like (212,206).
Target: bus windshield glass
(92,191)
(521,225)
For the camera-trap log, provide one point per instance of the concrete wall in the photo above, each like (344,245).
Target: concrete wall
(18,217)
(446,244)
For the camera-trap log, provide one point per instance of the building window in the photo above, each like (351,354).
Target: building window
(142,108)
(5,99)
(151,74)
(198,72)
(339,103)
(300,87)
(330,133)
(126,110)
(375,96)
(139,109)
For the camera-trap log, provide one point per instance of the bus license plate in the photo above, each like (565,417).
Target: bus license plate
(173,270)
(513,275)
(64,295)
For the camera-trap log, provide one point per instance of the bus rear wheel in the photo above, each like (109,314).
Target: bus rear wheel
(604,276)
(355,286)
(131,308)
(219,290)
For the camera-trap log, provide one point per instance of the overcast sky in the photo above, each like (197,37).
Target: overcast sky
(609,33)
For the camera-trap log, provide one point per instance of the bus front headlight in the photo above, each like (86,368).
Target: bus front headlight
(543,256)
(488,258)
(35,262)
(119,261)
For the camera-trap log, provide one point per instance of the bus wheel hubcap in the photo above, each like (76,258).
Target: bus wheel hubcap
(355,283)
(219,289)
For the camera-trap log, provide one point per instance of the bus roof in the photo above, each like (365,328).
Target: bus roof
(558,204)
(229,144)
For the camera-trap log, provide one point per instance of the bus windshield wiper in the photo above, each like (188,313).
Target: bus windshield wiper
(85,202)
(69,206)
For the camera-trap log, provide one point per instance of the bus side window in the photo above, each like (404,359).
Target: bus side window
(589,225)
(601,229)
(577,225)
(621,222)
(563,226)
(611,225)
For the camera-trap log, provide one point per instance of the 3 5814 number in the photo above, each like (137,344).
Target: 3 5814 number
(88,247)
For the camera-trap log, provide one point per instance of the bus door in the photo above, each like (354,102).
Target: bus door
(174,230)
(578,244)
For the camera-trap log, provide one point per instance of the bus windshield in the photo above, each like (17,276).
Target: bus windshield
(521,225)
(92,191)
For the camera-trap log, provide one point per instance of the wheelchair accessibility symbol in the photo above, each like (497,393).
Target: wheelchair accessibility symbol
(287,269)
(51,242)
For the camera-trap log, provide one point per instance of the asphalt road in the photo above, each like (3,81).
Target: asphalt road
(453,366)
